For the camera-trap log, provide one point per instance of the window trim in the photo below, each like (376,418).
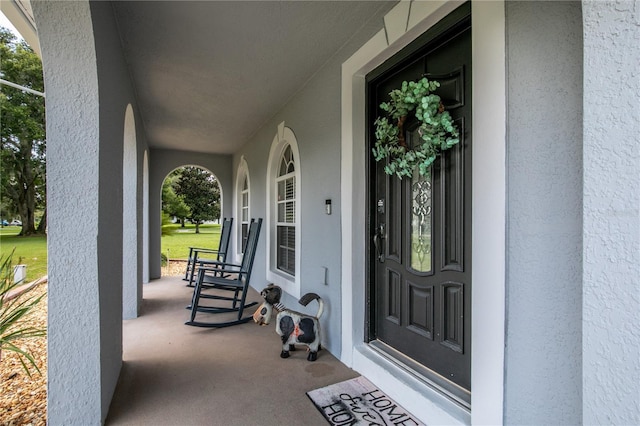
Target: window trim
(242,174)
(283,138)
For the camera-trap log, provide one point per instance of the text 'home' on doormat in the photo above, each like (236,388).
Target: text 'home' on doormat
(359,402)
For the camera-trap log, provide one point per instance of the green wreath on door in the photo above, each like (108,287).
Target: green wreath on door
(437,131)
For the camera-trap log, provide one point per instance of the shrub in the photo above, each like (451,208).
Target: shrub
(13,326)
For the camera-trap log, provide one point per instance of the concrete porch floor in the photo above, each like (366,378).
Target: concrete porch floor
(174,374)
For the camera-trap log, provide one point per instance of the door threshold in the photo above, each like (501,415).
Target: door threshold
(450,390)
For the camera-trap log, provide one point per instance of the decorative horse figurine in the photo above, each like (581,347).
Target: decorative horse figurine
(293,327)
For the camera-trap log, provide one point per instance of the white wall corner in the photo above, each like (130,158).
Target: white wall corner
(489,210)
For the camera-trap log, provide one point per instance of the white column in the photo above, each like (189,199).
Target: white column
(69,61)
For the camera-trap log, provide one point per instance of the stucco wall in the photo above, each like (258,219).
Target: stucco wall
(611,293)
(161,163)
(116,93)
(571,353)
(313,114)
(85,129)
(544,224)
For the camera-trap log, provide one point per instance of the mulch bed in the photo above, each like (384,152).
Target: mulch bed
(175,268)
(23,399)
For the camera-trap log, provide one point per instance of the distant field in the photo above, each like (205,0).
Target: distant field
(30,251)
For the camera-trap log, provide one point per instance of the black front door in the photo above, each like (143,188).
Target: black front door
(420,262)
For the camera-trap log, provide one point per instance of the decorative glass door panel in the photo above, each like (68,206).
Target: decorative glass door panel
(421,218)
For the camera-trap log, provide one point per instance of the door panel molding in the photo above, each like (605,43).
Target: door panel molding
(451,90)
(421,309)
(394,220)
(393,297)
(452,180)
(452,311)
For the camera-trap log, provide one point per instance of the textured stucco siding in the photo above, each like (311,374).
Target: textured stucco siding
(544,223)
(313,115)
(74,365)
(131,211)
(116,93)
(573,207)
(611,293)
(88,91)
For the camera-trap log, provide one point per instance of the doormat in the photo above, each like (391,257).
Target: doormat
(359,402)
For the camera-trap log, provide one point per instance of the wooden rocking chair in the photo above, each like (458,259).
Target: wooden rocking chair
(222,277)
(198,255)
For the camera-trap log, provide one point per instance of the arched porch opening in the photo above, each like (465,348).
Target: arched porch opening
(161,164)
(191,213)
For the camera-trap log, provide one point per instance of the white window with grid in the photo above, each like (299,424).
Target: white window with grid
(286,220)
(244,213)
(284,212)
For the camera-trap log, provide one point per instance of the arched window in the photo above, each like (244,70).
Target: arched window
(283,187)
(243,205)
(286,216)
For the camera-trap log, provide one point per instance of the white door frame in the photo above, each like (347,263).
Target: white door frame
(403,24)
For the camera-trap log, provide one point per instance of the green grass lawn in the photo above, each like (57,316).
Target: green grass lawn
(32,251)
(176,245)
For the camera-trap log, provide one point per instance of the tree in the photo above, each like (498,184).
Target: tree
(172,203)
(23,145)
(201,192)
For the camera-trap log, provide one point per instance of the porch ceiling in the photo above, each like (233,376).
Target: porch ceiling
(208,74)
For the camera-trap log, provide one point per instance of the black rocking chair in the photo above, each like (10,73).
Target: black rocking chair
(196,253)
(226,277)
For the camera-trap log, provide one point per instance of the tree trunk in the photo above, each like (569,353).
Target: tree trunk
(27,194)
(27,215)
(42,226)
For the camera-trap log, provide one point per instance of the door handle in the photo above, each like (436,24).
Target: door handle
(377,242)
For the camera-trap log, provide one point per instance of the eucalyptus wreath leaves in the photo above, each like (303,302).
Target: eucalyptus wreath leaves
(437,131)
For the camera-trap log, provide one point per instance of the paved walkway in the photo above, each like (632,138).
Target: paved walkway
(174,374)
